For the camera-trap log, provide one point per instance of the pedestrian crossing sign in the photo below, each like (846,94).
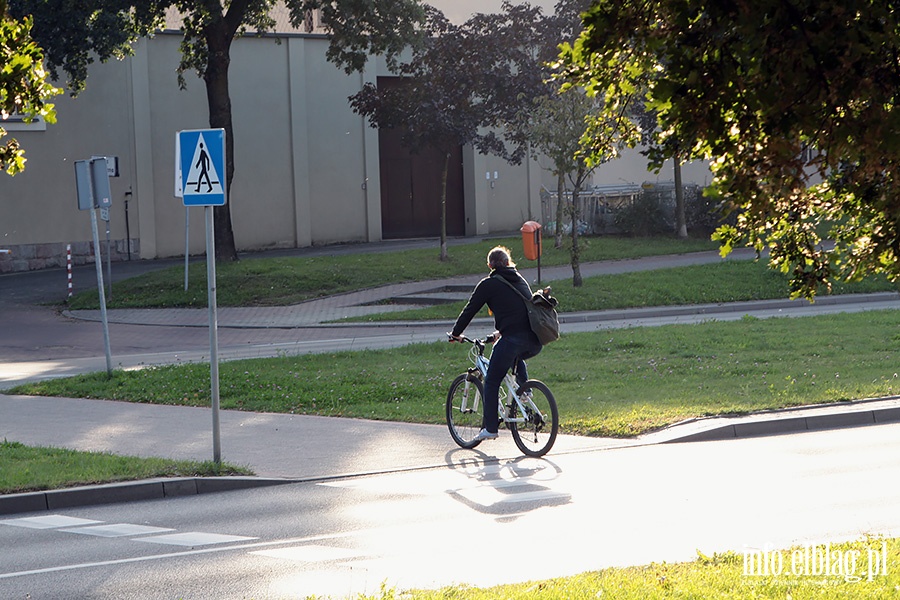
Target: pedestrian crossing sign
(201,165)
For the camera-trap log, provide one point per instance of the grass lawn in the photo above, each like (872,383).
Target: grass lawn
(283,281)
(621,382)
(720,576)
(608,383)
(30,468)
(727,281)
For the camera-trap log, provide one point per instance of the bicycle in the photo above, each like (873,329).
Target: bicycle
(529,411)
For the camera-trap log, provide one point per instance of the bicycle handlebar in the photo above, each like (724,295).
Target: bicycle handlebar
(487,340)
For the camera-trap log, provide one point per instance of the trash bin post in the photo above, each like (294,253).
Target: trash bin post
(531,243)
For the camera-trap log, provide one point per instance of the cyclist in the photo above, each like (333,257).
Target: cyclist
(517,341)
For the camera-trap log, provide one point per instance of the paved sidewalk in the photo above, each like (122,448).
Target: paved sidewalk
(325,311)
(282,448)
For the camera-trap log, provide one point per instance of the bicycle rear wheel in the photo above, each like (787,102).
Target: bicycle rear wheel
(537,434)
(465,405)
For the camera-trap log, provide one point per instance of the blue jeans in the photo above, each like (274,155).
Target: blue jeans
(510,350)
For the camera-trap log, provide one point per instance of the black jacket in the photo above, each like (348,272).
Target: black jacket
(510,315)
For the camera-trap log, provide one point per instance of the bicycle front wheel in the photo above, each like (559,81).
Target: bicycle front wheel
(465,405)
(537,434)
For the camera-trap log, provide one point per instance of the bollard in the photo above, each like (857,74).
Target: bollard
(69,268)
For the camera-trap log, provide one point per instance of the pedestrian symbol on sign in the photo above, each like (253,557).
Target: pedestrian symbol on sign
(200,167)
(203,171)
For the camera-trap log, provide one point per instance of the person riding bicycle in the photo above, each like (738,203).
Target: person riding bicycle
(517,341)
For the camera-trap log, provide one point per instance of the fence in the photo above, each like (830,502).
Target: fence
(600,207)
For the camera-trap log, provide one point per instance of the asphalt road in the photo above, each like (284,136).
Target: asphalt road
(475,522)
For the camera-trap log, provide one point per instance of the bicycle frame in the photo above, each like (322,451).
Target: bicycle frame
(476,355)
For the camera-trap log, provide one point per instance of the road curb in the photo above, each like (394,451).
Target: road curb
(798,420)
(128,491)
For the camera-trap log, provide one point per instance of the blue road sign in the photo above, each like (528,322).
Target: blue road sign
(202,164)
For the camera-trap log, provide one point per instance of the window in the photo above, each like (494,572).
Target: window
(16,122)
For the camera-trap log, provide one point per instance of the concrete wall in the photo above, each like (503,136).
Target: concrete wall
(38,208)
(306,167)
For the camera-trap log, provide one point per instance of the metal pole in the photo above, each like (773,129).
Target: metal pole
(99,264)
(108,258)
(127,226)
(213,332)
(187,224)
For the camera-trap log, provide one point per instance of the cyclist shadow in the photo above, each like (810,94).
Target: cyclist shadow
(505,487)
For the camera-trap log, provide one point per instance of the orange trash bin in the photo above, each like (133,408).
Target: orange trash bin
(531,239)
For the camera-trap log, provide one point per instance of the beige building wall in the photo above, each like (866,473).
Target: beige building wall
(39,206)
(306,167)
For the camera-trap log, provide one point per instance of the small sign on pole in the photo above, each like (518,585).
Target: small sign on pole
(92,189)
(83,188)
(112,164)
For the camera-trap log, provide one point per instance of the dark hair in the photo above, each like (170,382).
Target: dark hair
(499,256)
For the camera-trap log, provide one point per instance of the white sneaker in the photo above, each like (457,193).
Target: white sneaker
(484,434)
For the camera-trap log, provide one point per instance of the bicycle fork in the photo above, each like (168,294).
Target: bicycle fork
(464,404)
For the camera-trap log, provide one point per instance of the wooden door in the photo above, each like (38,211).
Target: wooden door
(411,187)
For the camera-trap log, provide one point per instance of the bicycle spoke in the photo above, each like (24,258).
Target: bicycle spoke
(464,410)
(537,434)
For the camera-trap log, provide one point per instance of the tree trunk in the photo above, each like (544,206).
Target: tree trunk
(576,251)
(216,78)
(560,206)
(444,255)
(680,217)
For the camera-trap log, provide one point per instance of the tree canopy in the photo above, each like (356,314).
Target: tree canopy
(479,83)
(792,102)
(24,89)
(465,85)
(557,126)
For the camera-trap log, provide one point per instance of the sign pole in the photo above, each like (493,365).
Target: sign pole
(200,172)
(187,243)
(108,254)
(92,192)
(213,331)
(99,264)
